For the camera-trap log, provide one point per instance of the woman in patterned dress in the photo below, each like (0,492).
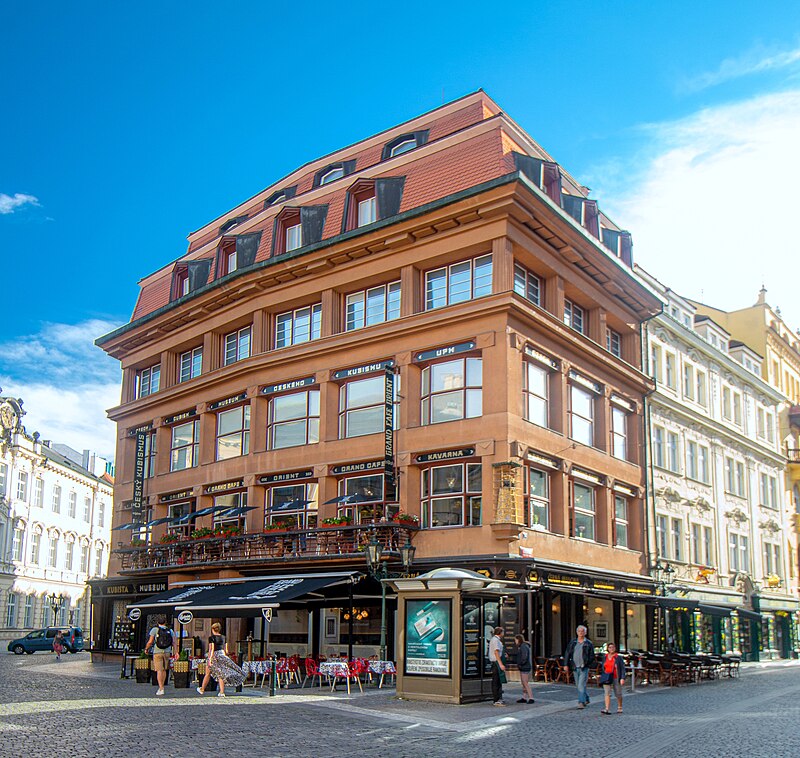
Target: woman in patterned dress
(219,665)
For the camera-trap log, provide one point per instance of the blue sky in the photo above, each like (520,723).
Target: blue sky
(125,128)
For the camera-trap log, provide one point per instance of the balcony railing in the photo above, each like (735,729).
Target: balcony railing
(793,454)
(266,547)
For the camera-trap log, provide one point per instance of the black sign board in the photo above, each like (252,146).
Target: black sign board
(388,412)
(289,476)
(151,588)
(180,416)
(119,589)
(171,497)
(369,368)
(212,489)
(563,580)
(350,468)
(227,401)
(471,643)
(137,504)
(143,428)
(445,455)
(605,585)
(443,352)
(294,384)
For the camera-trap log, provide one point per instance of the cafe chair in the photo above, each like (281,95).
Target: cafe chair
(312,670)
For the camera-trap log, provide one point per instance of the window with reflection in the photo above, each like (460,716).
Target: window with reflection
(233,432)
(451,390)
(292,506)
(583,507)
(452,495)
(293,419)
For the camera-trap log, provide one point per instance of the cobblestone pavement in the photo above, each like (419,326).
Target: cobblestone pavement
(76,709)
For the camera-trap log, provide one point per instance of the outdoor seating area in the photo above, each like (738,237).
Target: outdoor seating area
(648,667)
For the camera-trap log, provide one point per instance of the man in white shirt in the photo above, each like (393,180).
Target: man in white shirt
(496,657)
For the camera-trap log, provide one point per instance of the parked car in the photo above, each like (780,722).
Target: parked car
(42,639)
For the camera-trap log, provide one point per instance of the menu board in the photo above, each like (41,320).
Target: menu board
(471,629)
(427,638)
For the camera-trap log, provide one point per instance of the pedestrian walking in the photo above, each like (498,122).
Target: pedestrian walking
(580,658)
(219,665)
(525,666)
(612,677)
(58,644)
(160,642)
(497,658)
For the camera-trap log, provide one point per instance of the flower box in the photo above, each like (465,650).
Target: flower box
(407,519)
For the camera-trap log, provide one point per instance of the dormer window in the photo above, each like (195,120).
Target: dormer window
(371,200)
(180,283)
(187,276)
(298,227)
(404,143)
(280,196)
(231,223)
(230,260)
(333,172)
(332,175)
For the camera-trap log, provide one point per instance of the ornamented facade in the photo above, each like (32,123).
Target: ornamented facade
(55,527)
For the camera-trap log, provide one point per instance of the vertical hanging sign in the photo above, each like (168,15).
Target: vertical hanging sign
(388,433)
(137,506)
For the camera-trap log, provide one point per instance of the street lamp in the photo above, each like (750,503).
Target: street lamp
(662,573)
(56,603)
(379,571)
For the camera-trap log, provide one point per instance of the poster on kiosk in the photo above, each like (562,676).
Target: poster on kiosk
(427,638)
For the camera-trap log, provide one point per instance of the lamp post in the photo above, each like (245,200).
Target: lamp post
(662,573)
(56,602)
(379,571)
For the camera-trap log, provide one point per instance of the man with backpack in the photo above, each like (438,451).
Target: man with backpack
(160,642)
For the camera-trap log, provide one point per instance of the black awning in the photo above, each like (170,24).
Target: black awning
(714,610)
(743,613)
(169,599)
(243,599)
(677,603)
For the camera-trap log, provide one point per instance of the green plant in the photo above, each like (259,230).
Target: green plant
(405,518)
(171,537)
(337,521)
(144,656)
(138,542)
(183,655)
(202,533)
(227,530)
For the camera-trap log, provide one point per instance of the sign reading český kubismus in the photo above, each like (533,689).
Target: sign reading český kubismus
(137,504)
(427,636)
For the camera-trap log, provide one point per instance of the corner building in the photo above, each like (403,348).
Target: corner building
(452,254)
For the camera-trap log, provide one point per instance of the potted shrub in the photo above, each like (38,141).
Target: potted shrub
(141,667)
(138,542)
(204,532)
(181,670)
(407,519)
(229,530)
(337,521)
(167,539)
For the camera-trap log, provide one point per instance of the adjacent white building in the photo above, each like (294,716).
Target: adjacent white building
(55,527)
(718,517)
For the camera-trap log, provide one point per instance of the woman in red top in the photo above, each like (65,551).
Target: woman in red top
(612,677)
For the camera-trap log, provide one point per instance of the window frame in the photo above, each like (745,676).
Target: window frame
(148,381)
(538,501)
(307,419)
(291,318)
(305,516)
(528,285)
(190,364)
(591,421)
(237,345)
(357,314)
(470,499)
(621,523)
(242,432)
(376,408)
(574,316)
(190,449)
(467,392)
(450,282)
(530,396)
(588,515)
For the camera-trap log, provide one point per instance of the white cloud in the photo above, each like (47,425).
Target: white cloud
(66,384)
(11,203)
(753,62)
(712,203)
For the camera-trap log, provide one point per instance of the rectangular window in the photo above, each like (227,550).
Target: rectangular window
(708,546)
(185,445)
(150,455)
(581,415)
(233,432)
(451,495)
(190,364)
(535,393)
(11,610)
(69,557)
(768,491)
(761,424)
(614,342)
(620,521)
(370,494)
(696,545)
(293,420)
(656,366)
(148,380)
(84,567)
(619,433)
(237,346)
(22,486)
(293,506)
(583,507)
(539,512)
(737,408)
(527,284)
(672,452)
(362,406)
(688,382)
(676,540)
(87,510)
(701,387)
(669,370)
(574,316)
(36,543)
(659,457)
(98,561)
(691,459)
(38,492)
(296,327)
(367,212)
(726,404)
(452,390)
(3,479)
(52,552)
(740,480)
(294,237)
(17,544)
(458,283)
(101,515)
(372,306)
(72,502)
(28,617)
